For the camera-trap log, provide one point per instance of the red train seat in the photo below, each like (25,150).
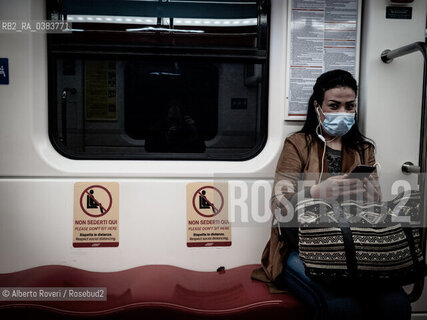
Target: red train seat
(159,291)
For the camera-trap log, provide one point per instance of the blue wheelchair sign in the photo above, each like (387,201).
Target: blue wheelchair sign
(4,71)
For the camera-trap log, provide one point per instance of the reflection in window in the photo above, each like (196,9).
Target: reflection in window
(159,79)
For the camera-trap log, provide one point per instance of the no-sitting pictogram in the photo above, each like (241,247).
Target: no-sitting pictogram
(96,201)
(211,203)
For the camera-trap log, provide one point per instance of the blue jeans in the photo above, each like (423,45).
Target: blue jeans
(349,303)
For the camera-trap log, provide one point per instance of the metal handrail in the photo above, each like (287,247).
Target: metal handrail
(387,56)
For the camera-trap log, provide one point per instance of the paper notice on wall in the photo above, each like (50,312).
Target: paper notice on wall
(323,37)
(207,215)
(100,90)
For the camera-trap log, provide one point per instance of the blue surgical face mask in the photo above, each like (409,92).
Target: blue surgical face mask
(337,123)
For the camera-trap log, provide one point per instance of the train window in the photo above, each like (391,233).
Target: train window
(159,79)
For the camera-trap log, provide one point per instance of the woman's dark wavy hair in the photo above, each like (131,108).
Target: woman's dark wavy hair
(334,79)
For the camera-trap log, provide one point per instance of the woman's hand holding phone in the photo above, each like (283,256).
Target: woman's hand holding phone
(338,187)
(372,189)
(345,187)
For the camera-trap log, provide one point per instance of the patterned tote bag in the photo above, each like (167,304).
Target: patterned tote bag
(358,241)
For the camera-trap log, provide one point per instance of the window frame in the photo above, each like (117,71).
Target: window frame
(224,55)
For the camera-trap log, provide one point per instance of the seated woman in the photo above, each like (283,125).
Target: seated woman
(327,148)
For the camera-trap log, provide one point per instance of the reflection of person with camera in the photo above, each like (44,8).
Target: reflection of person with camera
(176,133)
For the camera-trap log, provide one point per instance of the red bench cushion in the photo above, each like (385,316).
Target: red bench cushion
(159,290)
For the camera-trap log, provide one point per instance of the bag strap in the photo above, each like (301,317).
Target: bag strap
(410,236)
(349,248)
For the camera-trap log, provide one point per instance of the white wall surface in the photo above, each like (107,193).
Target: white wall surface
(38,230)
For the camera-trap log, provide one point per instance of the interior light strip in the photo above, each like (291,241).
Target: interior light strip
(111,19)
(215,22)
(165,21)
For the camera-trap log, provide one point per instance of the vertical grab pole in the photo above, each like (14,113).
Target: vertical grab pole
(423,161)
(419,286)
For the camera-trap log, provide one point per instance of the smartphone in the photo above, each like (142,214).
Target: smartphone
(361,171)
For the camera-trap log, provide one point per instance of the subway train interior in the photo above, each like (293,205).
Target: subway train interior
(139,141)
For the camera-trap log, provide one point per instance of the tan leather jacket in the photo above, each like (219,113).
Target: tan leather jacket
(297,164)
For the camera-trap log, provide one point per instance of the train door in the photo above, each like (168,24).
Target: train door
(391,94)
